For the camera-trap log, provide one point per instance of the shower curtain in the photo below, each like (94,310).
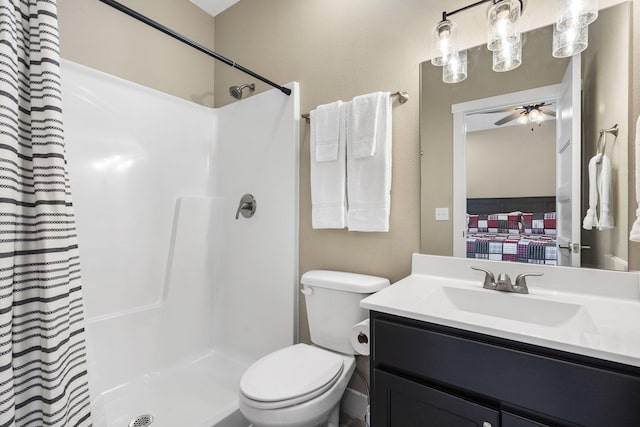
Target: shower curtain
(43,376)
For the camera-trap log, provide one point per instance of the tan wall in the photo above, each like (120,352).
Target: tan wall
(512,161)
(605,82)
(96,35)
(338,49)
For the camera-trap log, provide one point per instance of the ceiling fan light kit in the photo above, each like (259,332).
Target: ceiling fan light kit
(570,35)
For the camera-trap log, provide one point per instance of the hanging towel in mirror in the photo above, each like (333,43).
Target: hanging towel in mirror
(369,178)
(328,179)
(362,124)
(326,130)
(599,193)
(634,235)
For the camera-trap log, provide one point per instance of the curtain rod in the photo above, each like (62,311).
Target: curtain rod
(168,31)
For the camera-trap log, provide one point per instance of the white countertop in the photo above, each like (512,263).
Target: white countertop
(590,312)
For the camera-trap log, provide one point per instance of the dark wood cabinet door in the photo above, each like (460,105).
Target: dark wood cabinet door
(512,420)
(402,403)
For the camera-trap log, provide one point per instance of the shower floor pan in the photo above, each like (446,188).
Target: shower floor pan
(198,393)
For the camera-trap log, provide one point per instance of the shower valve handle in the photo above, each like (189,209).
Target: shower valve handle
(247,206)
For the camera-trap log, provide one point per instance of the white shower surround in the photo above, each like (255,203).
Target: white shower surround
(180,296)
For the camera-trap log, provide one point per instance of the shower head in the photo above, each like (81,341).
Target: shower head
(236,91)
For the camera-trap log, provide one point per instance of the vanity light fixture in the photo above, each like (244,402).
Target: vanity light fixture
(455,68)
(504,38)
(570,35)
(576,13)
(570,31)
(443,41)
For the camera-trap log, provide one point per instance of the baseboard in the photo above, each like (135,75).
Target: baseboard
(354,404)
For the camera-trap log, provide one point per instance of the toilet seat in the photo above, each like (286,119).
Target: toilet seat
(290,376)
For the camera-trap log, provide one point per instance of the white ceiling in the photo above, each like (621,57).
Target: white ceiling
(214,7)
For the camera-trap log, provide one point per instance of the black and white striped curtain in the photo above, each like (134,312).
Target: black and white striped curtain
(43,376)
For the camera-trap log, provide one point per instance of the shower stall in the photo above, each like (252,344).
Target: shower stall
(180,295)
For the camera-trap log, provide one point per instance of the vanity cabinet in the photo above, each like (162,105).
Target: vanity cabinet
(425,374)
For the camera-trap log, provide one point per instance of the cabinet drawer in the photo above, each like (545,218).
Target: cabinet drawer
(404,403)
(511,420)
(563,390)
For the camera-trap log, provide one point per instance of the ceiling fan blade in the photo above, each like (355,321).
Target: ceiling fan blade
(507,118)
(547,112)
(501,110)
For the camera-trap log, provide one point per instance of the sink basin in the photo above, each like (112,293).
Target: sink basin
(521,308)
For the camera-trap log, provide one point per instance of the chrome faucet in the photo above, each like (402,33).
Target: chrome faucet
(504,284)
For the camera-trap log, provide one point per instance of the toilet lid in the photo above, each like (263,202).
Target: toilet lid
(291,373)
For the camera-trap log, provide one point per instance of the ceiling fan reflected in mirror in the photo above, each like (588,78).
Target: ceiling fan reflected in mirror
(525,114)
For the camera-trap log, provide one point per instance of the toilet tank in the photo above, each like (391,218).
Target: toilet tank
(333,305)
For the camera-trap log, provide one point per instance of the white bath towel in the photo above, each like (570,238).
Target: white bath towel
(327,131)
(599,193)
(362,124)
(328,180)
(369,178)
(634,235)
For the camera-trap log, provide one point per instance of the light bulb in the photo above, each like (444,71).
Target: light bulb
(455,68)
(508,58)
(503,28)
(524,119)
(443,42)
(569,42)
(536,116)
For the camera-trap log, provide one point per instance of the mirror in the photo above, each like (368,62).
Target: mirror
(506,169)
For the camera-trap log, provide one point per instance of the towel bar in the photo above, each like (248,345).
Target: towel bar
(402,98)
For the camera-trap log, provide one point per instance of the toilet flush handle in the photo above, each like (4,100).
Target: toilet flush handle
(307,291)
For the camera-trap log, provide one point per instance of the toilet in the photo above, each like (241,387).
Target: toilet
(301,385)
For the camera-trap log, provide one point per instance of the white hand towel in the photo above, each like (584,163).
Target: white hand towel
(604,192)
(634,235)
(599,192)
(591,218)
(369,178)
(328,181)
(362,124)
(327,131)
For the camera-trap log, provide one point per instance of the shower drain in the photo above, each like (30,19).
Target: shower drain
(141,421)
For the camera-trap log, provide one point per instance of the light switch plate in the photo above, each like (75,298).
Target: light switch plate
(442,214)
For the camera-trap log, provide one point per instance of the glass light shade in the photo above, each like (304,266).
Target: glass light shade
(503,28)
(576,13)
(455,69)
(508,58)
(443,42)
(569,42)
(523,119)
(536,116)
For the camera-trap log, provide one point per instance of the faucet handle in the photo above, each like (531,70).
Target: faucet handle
(489,278)
(521,281)
(521,278)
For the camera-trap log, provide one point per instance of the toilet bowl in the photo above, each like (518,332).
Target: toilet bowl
(298,386)
(302,385)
